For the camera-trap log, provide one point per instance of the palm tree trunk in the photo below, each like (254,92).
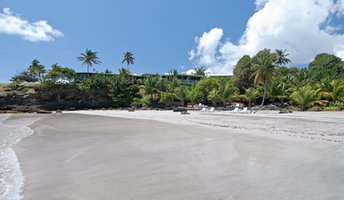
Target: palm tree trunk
(88,71)
(264,95)
(282,102)
(132,76)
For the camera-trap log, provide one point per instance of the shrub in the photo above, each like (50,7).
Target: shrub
(123,93)
(332,108)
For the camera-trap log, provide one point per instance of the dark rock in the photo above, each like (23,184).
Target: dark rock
(24,109)
(285,111)
(43,112)
(179,110)
(270,107)
(184,113)
(315,109)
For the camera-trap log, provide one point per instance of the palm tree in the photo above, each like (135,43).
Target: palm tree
(200,71)
(171,84)
(55,72)
(128,58)
(332,90)
(167,98)
(281,57)
(143,101)
(193,96)
(173,72)
(152,87)
(124,73)
(181,93)
(89,58)
(251,95)
(37,70)
(224,92)
(300,78)
(305,96)
(264,69)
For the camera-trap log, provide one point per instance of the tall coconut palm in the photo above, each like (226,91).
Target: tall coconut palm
(128,58)
(89,58)
(264,69)
(281,57)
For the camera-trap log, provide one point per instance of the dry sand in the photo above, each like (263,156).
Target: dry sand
(319,126)
(74,156)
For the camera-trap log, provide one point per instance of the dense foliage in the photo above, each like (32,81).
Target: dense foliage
(259,80)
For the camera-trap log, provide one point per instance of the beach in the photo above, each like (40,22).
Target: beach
(166,155)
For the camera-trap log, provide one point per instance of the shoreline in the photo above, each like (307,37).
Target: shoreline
(11,175)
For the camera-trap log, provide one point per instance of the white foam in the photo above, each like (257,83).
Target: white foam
(11,176)
(3,117)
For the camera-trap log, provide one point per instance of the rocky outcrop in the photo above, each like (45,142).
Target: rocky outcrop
(53,98)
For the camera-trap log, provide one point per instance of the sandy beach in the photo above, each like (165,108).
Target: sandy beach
(165,155)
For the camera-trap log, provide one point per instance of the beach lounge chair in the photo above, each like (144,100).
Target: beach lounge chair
(204,109)
(212,109)
(245,110)
(236,110)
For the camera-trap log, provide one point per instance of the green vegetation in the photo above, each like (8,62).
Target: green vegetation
(320,84)
(261,80)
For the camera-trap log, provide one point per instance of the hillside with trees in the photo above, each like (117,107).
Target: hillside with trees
(258,81)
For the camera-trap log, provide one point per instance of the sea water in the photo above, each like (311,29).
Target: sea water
(11,176)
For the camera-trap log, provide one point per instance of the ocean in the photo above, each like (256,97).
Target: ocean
(11,176)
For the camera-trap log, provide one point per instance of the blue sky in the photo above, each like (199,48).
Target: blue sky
(159,33)
(165,34)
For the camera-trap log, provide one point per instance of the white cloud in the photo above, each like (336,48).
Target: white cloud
(304,28)
(261,3)
(207,46)
(12,24)
(190,72)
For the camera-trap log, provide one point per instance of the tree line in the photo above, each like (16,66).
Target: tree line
(257,81)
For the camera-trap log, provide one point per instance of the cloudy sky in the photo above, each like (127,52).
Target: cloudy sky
(165,34)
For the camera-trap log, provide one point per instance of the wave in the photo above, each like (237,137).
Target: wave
(11,176)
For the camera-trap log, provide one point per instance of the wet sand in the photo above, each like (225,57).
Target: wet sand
(74,156)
